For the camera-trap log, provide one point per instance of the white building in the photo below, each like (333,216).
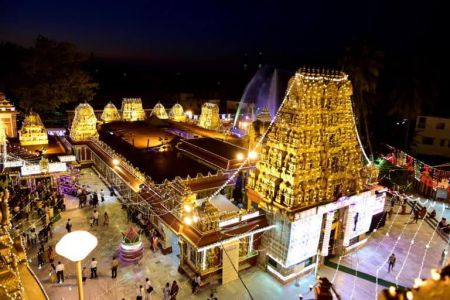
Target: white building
(432,136)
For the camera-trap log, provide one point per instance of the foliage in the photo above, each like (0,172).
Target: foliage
(46,75)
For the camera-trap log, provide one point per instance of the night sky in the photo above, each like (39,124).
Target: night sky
(218,32)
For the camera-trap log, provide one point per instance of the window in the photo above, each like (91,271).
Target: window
(427,140)
(442,142)
(422,122)
(440,126)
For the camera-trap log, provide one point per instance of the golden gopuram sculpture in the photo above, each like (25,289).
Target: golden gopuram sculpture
(177,113)
(13,260)
(209,117)
(159,111)
(132,110)
(84,125)
(311,153)
(33,131)
(110,113)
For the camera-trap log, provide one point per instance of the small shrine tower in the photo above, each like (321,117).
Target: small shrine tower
(209,117)
(177,113)
(110,113)
(8,115)
(132,110)
(159,111)
(33,131)
(84,125)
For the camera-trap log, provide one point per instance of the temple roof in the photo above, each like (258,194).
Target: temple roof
(264,115)
(32,119)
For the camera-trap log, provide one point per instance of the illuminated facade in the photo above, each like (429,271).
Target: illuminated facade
(110,113)
(311,158)
(33,131)
(84,124)
(209,117)
(8,116)
(159,111)
(177,113)
(132,110)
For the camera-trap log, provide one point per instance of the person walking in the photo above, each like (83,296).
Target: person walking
(50,254)
(174,290)
(93,268)
(95,217)
(155,242)
(105,219)
(148,288)
(60,272)
(83,274)
(114,265)
(391,262)
(166,292)
(140,293)
(40,258)
(416,216)
(69,225)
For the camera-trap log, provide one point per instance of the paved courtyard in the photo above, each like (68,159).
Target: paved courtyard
(163,268)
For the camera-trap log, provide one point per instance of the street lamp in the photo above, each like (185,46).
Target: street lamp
(75,246)
(116,162)
(240,156)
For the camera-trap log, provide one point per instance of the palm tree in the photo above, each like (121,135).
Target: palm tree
(363,65)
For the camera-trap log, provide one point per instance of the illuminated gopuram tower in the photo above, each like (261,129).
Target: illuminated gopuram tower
(84,125)
(177,113)
(110,113)
(33,131)
(159,111)
(209,117)
(309,158)
(132,110)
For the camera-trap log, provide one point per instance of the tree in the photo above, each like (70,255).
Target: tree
(363,64)
(51,74)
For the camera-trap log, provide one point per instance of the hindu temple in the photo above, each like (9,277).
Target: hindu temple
(177,113)
(132,110)
(84,125)
(8,116)
(209,117)
(110,113)
(33,131)
(159,111)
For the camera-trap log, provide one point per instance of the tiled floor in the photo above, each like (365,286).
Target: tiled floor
(161,269)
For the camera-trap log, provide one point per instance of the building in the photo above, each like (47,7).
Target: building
(177,113)
(209,117)
(159,111)
(110,113)
(432,136)
(33,131)
(132,110)
(8,116)
(310,179)
(84,124)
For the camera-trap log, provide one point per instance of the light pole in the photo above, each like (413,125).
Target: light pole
(75,246)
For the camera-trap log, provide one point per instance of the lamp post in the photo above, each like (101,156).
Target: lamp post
(75,246)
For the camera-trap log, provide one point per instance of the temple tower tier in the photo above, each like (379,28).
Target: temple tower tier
(209,117)
(33,131)
(159,111)
(132,110)
(177,113)
(110,113)
(84,125)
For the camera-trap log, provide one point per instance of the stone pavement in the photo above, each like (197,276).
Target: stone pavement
(163,268)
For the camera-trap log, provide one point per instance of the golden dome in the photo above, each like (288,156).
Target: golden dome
(84,125)
(110,113)
(159,111)
(177,113)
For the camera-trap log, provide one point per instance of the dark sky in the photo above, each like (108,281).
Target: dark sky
(217,31)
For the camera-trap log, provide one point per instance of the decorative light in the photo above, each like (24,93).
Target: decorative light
(76,245)
(116,162)
(417,282)
(187,208)
(189,114)
(252,155)
(392,291)
(195,219)
(409,295)
(435,274)
(240,156)
(187,220)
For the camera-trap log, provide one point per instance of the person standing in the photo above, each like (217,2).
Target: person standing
(114,265)
(93,268)
(69,225)
(416,216)
(102,195)
(140,293)
(392,259)
(40,258)
(166,291)
(148,288)
(105,219)
(155,242)
(50,254)
(60,272)
(95,217)
(174,290)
